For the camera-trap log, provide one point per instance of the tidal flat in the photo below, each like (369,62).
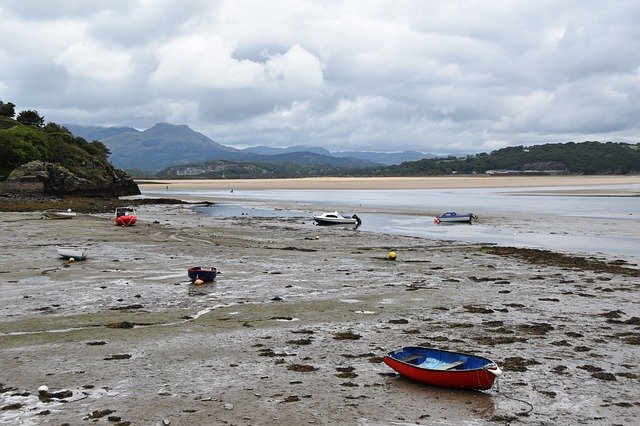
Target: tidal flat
(294,328)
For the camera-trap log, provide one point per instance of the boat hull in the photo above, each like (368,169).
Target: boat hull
(127,220)
(204,274)
(326,222)
(452,217)
(336,218)
(473,372)
(77,253)
(59,214)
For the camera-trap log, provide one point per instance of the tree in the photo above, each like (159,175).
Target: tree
(7,110)
(30,118)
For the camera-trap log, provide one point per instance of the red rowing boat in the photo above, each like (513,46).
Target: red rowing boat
(442,368)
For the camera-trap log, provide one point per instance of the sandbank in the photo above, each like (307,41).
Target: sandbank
(389,183)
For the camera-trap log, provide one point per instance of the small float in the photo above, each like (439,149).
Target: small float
(126,216)
(442,368)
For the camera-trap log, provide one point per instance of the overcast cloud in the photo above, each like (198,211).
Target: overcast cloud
(433,76)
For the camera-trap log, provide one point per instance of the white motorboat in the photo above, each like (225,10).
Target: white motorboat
(453,217)
(335,218)
(73,252)
(59,214)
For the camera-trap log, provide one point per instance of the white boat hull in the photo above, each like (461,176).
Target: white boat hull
(60,214)
(335,218)
(77,253)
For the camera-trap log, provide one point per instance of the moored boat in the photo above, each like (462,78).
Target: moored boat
(204,274)
(59,214)
(443,368)
(453,217)
(335,218)
(72,252)
(125,216)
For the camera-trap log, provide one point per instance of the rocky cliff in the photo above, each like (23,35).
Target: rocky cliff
(59,181)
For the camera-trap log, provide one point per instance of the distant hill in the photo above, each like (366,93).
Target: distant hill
(267,150)
(385,158)
(165,145)
(96,133)
(571,158)
(225,169)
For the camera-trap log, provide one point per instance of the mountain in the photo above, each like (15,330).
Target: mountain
(165,145)
(93,133)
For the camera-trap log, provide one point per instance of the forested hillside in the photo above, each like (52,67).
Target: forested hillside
(51,154)
(20,144)
(573,158)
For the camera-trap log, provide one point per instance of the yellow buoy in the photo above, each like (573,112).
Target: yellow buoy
(392,255)
(198,282)
(317,237)
(71,259)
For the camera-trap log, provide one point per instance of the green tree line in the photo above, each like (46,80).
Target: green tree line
(27,138)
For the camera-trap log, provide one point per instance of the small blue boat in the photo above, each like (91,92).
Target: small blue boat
(204,274)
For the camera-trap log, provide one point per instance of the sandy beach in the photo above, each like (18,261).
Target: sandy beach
(442,182)
(294,329)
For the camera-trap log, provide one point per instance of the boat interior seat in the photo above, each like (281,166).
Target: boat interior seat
(411,358)
(451,365)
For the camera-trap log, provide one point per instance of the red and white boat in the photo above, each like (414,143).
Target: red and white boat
(442,368)
(126,216)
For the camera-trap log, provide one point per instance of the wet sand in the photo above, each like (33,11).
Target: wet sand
(294,328)
(439,182)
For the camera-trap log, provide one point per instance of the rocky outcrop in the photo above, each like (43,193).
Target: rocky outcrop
(58,180)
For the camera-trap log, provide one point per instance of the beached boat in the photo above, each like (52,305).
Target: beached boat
(453,217)
(335,218)
(72,252)
(59,214)
(204,274)
(126,216)
(442,368)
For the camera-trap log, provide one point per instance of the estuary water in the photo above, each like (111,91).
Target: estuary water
(591,220)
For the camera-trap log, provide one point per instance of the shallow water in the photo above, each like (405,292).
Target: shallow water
(517,217)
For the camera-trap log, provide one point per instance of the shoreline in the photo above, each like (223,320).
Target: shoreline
(389,183)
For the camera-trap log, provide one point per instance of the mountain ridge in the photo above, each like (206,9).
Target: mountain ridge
(164,145)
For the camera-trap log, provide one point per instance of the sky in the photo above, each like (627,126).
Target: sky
(444,77)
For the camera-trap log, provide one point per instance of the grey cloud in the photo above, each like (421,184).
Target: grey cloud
(442,77)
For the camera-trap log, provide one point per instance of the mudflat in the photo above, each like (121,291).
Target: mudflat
(294,328)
